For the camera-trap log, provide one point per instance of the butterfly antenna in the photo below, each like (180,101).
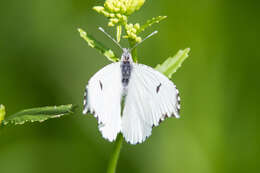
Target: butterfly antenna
(109,36)
(150,35)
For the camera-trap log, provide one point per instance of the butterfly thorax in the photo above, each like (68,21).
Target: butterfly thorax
(126,67)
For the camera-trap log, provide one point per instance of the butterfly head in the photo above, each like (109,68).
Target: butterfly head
(126,56)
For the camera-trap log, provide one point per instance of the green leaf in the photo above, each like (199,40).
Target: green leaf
(39,114)
(151,22)
(92,42)
(2,113)
(172,64)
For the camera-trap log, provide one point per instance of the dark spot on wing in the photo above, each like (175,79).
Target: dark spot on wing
(101,85)
(158,88)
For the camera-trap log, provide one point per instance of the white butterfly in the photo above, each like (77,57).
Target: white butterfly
(148,97)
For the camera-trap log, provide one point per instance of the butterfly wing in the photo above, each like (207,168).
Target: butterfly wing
(103,99)
(150,99)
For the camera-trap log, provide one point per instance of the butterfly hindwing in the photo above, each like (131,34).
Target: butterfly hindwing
(103,99)
(151,97)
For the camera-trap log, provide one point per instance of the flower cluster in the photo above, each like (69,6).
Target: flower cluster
(118,10)
(126,7)
(132,31)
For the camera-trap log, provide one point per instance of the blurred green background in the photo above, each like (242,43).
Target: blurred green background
(43,61)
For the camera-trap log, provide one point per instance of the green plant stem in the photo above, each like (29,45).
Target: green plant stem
(115,155)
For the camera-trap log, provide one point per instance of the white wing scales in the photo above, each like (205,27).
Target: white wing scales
(150,99)
(103,99)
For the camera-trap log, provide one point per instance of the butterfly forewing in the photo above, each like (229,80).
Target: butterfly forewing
(103,99)
(151,97)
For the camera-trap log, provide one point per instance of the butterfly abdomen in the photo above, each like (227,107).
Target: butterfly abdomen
(126,69)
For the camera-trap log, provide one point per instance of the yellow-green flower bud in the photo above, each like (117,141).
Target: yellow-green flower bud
(116,9)
(123,9)
(112,15)
(138,39)
(119,15)
(109,5)
(137,26)
(114,20)
(111,24)
(107,14)
(130,26)
(124,18)
(132,35)
(98,9)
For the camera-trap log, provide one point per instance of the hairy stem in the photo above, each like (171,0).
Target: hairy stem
(115,155)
